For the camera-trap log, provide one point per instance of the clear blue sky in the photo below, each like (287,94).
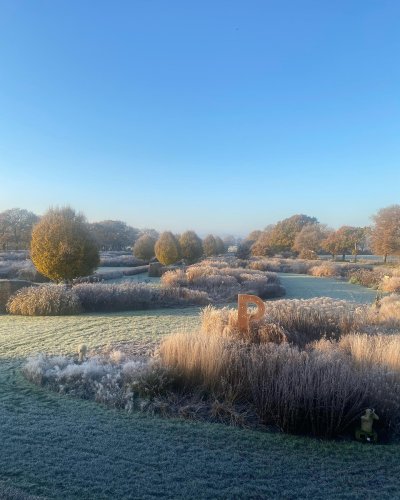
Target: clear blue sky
(220,116)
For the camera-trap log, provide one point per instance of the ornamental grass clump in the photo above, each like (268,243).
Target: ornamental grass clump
(300,368)
(225,283)
(101,297)
(297,321)
(50,300)
(45,300)
(312,391)
(390,284)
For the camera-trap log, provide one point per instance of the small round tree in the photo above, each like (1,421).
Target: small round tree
(62,247)
(210,245)
(191,246)
(144,247)
(167,249)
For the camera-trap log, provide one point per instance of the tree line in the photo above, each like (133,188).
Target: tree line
(63,246)
(303,236)
(110,235)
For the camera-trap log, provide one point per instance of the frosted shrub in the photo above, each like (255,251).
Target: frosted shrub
(326,270)
(14,255)
(224,283)
(98,297)
(366,277)
(50,300)
(386,311)
(102,379)
(110,259)
(44,300)
(10,269)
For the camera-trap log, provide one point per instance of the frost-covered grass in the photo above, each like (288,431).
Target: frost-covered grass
(301,286)
(62,447)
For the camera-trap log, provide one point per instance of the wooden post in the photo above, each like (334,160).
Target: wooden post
(243,314)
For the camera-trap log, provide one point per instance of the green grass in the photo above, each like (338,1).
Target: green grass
(60,447)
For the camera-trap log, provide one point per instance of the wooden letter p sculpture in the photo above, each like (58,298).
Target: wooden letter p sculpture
(243,314)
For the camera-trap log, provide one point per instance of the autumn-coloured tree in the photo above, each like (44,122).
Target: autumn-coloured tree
(264,246)
(167,249)
(281,237)
(191,246)
(385,233)
(308,240)
(356,238)
(62,247)
(144,247)
(254,235)
(346,239)
(285,231)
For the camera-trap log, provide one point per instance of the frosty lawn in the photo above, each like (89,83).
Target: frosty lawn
(60,447)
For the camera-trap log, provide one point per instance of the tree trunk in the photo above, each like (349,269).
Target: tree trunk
(384,258)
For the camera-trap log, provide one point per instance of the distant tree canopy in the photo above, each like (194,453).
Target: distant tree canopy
(285,231)
(308,241)
(243,250)
(150,232)
(191,246)
(221,245)
(264,246)
(210,245)
(385,233)
(167,249)
(281,237)
(346,240)
(254,235)
(16,228)
(62,247)
(113,234)
(144,247)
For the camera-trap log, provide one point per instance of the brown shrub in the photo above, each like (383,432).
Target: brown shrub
(390,284)
(326,270)
(366,277)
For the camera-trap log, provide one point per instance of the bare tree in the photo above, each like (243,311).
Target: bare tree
(16,228)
